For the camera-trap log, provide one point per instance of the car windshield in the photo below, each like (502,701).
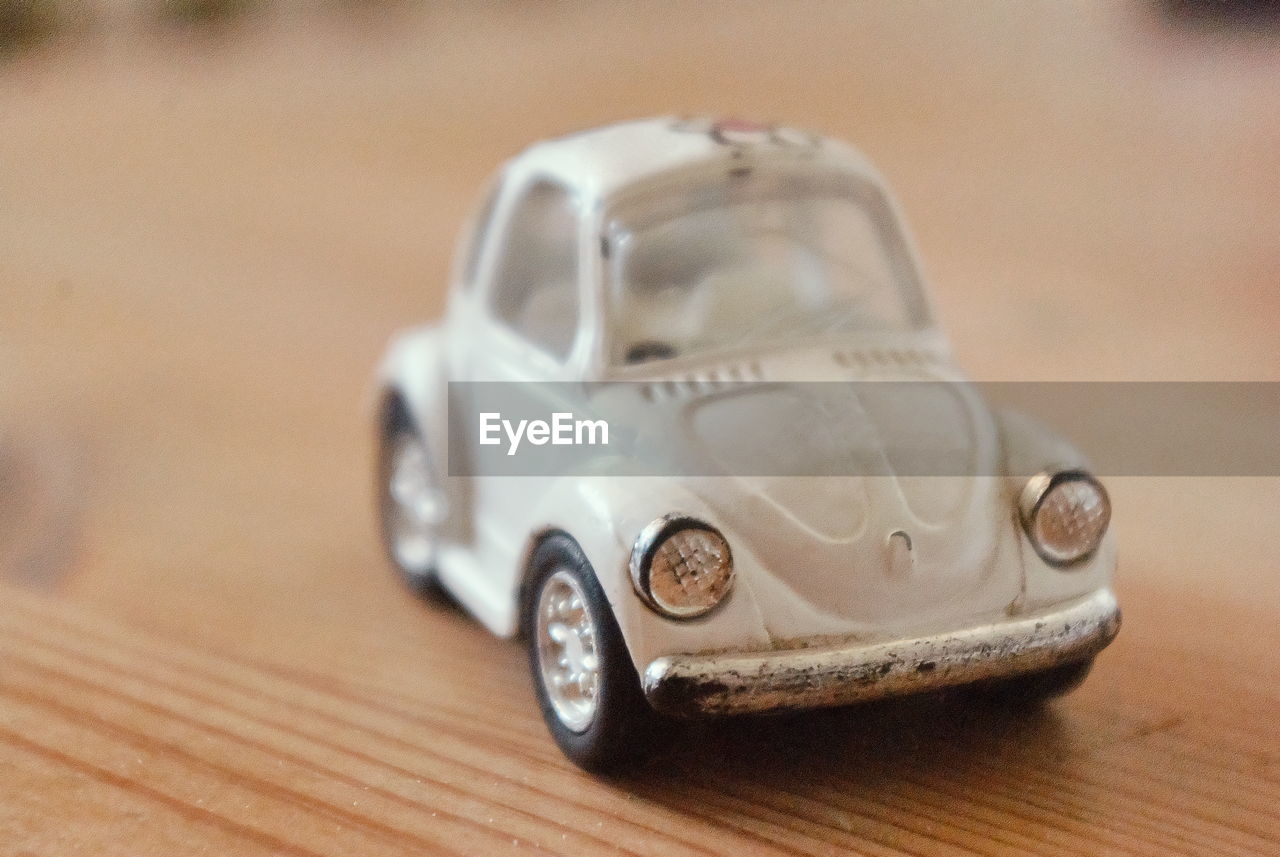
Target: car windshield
(755,258)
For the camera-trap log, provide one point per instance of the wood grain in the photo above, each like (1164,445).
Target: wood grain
(204,245)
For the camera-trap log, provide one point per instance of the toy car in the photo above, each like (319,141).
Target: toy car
(722,266)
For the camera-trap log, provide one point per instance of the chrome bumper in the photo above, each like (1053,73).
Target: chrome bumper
(736,683)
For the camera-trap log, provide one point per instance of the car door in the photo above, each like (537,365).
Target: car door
(527,333)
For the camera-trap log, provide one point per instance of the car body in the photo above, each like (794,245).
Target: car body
(694,264)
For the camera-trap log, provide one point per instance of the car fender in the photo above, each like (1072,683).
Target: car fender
(1030,447)
(413,367)
(605,515)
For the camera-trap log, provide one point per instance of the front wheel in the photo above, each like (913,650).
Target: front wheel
(582,672)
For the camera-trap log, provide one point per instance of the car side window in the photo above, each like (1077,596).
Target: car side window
(535,285)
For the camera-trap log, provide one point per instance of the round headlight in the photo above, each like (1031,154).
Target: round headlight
(681,567)
(1065,515)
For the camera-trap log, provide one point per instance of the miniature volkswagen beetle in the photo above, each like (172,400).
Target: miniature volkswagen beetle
(721,267)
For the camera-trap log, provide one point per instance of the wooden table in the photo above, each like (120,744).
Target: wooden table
(204,244)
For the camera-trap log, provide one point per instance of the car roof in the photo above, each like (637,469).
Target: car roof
(601,162)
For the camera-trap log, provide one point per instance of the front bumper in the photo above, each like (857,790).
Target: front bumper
(737,683)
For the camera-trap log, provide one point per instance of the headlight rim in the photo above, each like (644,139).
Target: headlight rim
(1033,495)
(652,537)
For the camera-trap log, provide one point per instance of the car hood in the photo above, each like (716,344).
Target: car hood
(818,429)
(870,496)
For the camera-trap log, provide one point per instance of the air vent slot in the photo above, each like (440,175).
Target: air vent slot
(865,358)
(703,381)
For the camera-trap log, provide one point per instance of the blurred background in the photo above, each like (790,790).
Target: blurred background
(213,214)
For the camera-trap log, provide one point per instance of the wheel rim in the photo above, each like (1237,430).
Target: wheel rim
(415,505)
(567,656)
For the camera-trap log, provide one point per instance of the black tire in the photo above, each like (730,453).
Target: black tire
(624,728)
(395,426)
(1034,688)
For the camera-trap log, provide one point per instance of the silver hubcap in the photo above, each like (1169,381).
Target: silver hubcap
(416,508)
(567,653)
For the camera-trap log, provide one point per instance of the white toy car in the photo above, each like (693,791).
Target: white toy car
(719,269)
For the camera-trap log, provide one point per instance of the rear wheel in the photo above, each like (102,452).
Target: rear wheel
(411,502)
(582,672)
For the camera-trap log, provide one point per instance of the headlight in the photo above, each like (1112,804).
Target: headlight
(681,567)
(1065,515)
